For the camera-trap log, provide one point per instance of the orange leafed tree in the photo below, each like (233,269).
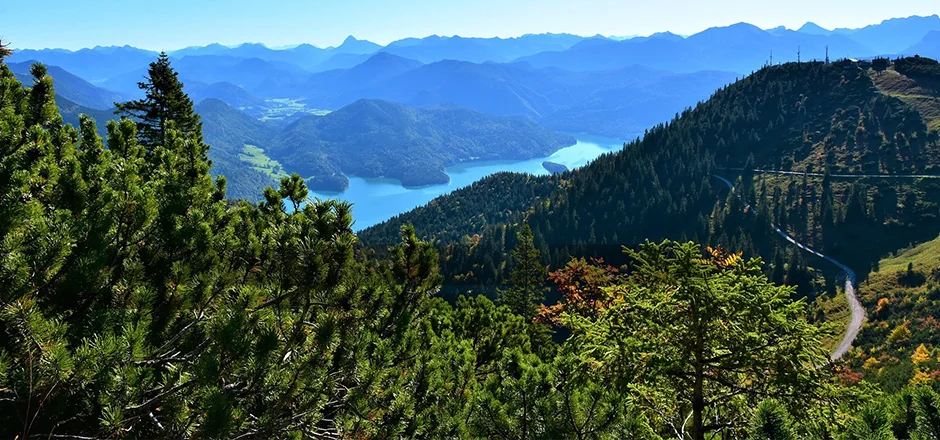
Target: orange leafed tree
(587,288)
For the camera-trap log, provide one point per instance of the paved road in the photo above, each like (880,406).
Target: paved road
(858,312)
(843,176)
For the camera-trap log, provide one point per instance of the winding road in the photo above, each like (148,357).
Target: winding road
(842,176)
(858,312)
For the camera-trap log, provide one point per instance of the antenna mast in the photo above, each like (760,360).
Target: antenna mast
(798,54)
(827,54)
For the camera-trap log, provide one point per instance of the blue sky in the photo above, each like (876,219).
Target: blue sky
(74,24)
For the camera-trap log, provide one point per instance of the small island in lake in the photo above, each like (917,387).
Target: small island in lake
(554,168)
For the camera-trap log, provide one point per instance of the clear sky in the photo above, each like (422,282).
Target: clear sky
(173,24)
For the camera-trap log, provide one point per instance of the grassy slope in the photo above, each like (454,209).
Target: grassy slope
(259,161)
(921,96)
(898,299)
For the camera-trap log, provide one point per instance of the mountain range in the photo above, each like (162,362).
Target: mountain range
(740,48)
(595,85)
(72,87)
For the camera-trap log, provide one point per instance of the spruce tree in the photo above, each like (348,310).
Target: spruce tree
(164,101)
(527,277)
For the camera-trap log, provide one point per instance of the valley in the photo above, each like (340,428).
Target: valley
(707,230)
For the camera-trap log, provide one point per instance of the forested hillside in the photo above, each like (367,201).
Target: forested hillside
(372,138)
(798,117)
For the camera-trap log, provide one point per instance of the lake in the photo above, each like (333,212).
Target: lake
(376,200)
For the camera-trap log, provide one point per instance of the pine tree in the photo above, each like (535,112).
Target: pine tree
(927,407)
(871,423)
(771,421)
(294,189)
(164,101)
(528,277)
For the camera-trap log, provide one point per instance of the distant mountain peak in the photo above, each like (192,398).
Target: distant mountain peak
(913,17)
(744,25)
(737,30)
(814,29)
(384,56)
(354,45)
(666,34)
(246,45)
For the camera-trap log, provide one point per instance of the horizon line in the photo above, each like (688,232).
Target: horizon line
(610,37)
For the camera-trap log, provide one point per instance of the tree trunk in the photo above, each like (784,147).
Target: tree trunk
(698,396)
(698,405)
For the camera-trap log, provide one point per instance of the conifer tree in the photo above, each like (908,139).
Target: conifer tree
(667,324)
(771,421)
(164,101)
(294,189)
(527,277)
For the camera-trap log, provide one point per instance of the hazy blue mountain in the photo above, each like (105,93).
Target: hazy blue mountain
(609,55)
(664,35)
(628,110)
(340,61)
(929,46)
(321,88)
(573,101)
(745,46)
(304,56)
(265,79)
(227,92)
(499,89)
(211,49)
(352,45)
(94,65)
(478,50)
(71,112)
(617,102)
(739,48)
(895,35)
(71,87)
(813,29)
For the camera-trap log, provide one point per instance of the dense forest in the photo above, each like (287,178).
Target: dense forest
(815,120)
(138,301)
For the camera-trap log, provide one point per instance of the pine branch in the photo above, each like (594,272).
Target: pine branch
(158,396)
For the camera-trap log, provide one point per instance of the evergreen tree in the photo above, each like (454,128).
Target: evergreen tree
(927,406)
(164,101)
(528,277)
(667,327)
(294,189)
(871,423)
(771,422)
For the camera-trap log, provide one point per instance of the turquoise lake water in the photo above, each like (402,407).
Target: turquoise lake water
(377,200)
